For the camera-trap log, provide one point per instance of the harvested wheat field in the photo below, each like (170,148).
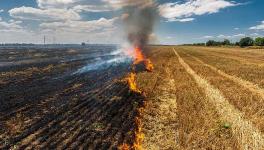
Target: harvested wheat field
(170,97)
(203,98)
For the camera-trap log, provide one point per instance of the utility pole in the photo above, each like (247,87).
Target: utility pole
(44,40)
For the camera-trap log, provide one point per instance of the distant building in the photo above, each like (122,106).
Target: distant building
(83,44)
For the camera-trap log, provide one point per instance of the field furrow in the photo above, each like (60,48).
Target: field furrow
(249,85)
(243,68)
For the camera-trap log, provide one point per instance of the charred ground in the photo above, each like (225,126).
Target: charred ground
(46,103)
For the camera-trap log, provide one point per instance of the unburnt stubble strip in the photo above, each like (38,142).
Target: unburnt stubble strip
(160,132)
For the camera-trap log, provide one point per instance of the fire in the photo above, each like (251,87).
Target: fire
(139,58)
(131,80)
(149,66)
(139,136)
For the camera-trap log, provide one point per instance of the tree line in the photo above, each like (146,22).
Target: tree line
(244,42)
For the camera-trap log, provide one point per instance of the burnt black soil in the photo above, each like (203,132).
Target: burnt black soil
(45,104)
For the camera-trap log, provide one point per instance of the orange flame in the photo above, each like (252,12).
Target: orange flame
(149,66)
(138,56)
(139,136)
(131,80)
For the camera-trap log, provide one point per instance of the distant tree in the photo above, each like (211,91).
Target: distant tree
(259,41)
(211,43)
(226,42)
(199,44)
(247,41)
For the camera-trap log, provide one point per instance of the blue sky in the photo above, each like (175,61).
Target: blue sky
(99,21)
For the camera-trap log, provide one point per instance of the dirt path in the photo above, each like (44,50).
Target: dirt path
(248,136)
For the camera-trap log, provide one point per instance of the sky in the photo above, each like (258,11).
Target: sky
(100,21)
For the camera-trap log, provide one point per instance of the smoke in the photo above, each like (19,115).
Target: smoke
(139,18)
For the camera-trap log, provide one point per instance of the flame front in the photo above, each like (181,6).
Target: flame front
(140,58)
(131,81)
(149,66)
(138,55)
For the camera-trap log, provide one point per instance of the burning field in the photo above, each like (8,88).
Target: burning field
(164,97)
(133,96)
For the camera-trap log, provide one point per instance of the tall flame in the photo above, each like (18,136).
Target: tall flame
(138,55)
(131,81)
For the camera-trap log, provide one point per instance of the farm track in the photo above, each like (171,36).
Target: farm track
(248,136)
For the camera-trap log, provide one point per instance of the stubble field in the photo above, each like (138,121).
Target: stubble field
(204,98)
(195,98)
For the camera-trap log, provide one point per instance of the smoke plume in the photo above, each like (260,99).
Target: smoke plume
(139,19)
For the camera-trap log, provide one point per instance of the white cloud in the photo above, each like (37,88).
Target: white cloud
(117,4)
(91,8)
(258,27)
(221,36)
(55,3)
(68,31)
(254,34)
(80,26)
(235,36)
(180,20)
(207,37)
(236,28)
(169,37)
(11,25)
(193,8)
(51,14)
(1,10)
(239,35)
